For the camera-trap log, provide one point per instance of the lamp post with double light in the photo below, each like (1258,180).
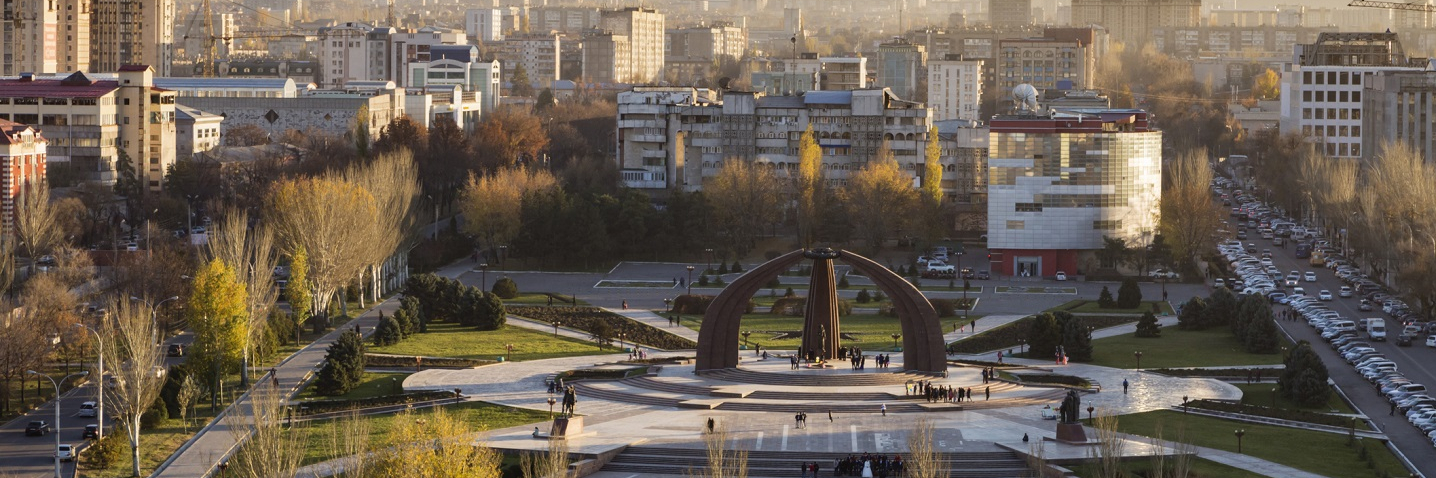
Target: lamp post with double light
(100,370)
(690,279)
(56,384)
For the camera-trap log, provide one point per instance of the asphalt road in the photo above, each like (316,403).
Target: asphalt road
(33,456)
(1416,361)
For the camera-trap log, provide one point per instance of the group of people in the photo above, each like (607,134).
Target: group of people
(946,393)
(988,374)
(637,354)
(868,465)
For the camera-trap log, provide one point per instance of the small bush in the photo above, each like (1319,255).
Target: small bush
(879,296)
(718,280)
(789,293)
(1105,300)
(843,283)
(864,297)
(722,268)
(154,416)
(505,288)
(314,407)
(408,361)
(703,280)
(106,452)
(736,267)
(388,332)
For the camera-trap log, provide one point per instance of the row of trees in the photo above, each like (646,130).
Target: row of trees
(1250,319)
(447,300)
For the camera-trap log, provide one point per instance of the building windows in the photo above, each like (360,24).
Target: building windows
(1107,225)
(1028,207)
(1016,224)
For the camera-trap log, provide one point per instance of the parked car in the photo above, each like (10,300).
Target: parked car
(984,275)
(1061,275)
(1405,340)
(38,428)
(175,350)
(1164,274)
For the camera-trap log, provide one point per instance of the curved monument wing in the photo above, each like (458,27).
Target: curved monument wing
(718,336)
(923,346)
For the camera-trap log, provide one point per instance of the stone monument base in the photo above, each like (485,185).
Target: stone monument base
(566,427)
(1071,433)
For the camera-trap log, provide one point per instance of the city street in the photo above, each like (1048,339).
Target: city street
(1414,361)
(33,456)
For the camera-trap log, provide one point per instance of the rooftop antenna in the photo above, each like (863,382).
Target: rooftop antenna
(390,19)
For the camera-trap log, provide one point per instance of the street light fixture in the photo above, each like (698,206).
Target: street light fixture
(895,339)
(745,335)
(484,282)
(100,389)
(555,327)
(710,261)
(667,304)
(1184,403)
(1021,346)
(1138,354)
(551,401)
(57,410)
(1239,434)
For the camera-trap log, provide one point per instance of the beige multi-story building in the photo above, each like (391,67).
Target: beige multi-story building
(1045,63)
(695,54)
(132,32)
(196,131)
(89,122)
(1322,90)
(604,60)
(538,53)
(834,72)
(1009,13)
(638,55)
(1132,21)
(35,41)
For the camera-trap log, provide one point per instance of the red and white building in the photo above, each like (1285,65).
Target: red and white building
(22,154)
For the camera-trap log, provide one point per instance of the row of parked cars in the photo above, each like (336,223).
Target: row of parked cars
(1409,397)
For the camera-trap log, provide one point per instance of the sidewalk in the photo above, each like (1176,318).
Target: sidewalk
(575,334)
(658,322)
(984,324)
(214,443)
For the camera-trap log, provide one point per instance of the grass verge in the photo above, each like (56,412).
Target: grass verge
(1201,468)
(1085,306)
(870,332)
(483,416)
(156,445)
(1215,347)
(1261,394)
(372,385)
(1322,453)
(454,340)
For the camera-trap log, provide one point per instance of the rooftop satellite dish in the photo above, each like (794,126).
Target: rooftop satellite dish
(1024,97)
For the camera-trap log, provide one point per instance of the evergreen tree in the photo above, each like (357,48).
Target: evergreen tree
(1221,308)
(736,267)
(1251,309)
(703,280)
(1044,336)
(415,312)
(388,332)
(405,320)
(864,297)
(343,365)
(1147,326)
(789,293)
(722,268)
(1076,337)
(1303,380)
(522,85)
(1104,300)
(843,282)
(1193,314)
(505,288)
(1262,336)
(1129,295)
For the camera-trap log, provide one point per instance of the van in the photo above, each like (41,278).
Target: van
(1344,325)
(1376,328)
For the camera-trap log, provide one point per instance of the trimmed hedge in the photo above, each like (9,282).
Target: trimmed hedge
(1216,372)
(584,318)
(1053,378)
(407,361)
(1277,413)
(315,407)
(1007,336)
(582,374)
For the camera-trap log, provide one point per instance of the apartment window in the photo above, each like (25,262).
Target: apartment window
(1331,130)
(1356,96)
(1108,225)
(1356,131)
(1306,96)
(1321,113)
(1356,114)
(1306,78)
(1306,113)
(1355,149)
(1343,96)
(1016,224)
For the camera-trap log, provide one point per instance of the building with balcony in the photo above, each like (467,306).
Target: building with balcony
(1322,93)
(22,157)
(954,88)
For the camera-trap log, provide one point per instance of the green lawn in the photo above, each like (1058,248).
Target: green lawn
(872,332)
(1261,394)
(1085,306)
(481,416)
(1317,452)
(373,385)
(1201,468)
(454,340)
(1178,348)
(156,445)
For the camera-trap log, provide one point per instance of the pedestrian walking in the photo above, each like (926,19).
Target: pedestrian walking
(987,393)
(1393,409)
(625,305)
(885,409)
(798,420)
(830,415)
(803,470)
(999,356)
(1124,386)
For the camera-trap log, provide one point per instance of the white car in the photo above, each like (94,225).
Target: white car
(1431,341)
(1345,291)
(88,409)
(1164,274)
(132,247)
(1061,275)
(1324,295)
(1310,276)
(65,452)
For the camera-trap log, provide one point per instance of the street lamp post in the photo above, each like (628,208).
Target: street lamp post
(1184,403)
(690,279)
(555,327)
(745,335)
(1239,434)
(1138,354)
(57,410)
(484,267)
(620,341)
(1089,411)
(667,304)
(100,387)
(710,261)
(503,251)
(895,339)
(551,401)
(1021,346)
(154,309)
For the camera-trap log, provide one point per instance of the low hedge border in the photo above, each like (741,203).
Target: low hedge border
(1006,337)
(984,363)
(1236,373)
(583,318)
(1053,379)
(314,407)
(1277,413)
(410,361)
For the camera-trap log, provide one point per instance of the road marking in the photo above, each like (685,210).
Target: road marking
(784,446)
(759,444)
(854,429)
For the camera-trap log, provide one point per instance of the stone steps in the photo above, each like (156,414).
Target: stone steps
(660,385)
(821,379)
(836,402)
(672,461)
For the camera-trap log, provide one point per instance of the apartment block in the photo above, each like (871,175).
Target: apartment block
(834,72)
(1322,93)
(1132,21)
(635,36)
(1009,13)
(132,32)
(196,131)
(954,88)
(1045,62)
(22,164)
(900,63)
(1399,107)
(538,53)
(484,25)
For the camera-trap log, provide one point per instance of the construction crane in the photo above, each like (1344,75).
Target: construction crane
(210,46)
(1415,7)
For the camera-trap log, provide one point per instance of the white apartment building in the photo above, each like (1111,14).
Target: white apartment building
(638,54)
(459,65)
(484,25)
(344,53)
(196,131)
(954,88)
(413,46)
(1321,94)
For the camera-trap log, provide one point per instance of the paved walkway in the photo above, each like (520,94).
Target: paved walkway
(984,324)
(576,334)
(213,443)
(658,322)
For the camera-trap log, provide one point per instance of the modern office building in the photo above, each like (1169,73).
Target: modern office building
(1060,182)
(1322,95)
(954,88)
(1399,107)
(22,157)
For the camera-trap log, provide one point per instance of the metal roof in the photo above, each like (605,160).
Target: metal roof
(844,97)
